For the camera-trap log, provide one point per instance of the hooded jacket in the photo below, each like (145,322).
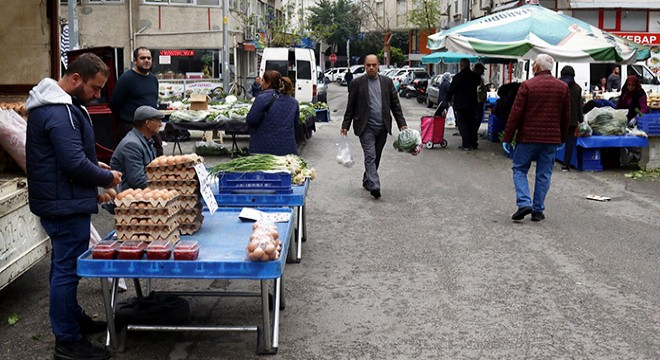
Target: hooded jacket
(63,172)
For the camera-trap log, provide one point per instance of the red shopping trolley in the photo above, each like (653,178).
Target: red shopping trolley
(433,131)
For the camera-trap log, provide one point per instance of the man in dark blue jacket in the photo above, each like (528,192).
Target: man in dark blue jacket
(63,177)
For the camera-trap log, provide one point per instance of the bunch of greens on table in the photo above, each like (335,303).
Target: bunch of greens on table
(293,164)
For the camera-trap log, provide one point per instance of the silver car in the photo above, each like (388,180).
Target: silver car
(432,91)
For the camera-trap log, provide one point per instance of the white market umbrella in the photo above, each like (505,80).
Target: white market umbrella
(526,31)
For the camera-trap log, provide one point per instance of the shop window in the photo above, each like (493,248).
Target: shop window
(609,19)
(208,2)
(633,20)
(588,16)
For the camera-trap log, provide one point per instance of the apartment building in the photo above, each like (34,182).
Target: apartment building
(185,36)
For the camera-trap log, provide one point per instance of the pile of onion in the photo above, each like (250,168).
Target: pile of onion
(264,242)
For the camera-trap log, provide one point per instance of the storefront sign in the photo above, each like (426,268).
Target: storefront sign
(177,52)
(639,37)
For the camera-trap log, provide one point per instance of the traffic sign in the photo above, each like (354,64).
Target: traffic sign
(333,57)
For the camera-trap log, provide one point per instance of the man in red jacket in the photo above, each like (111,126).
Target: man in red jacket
(540,115)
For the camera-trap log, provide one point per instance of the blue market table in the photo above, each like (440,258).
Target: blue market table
(587,154)
(294,200)
(222,240)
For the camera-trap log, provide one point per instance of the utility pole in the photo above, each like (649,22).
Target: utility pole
(73,25)
(225,45)
(348,52)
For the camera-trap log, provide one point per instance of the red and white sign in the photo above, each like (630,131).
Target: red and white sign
(333,57)
(640,37)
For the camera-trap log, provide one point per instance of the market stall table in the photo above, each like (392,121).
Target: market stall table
(222,255)
(295,200)
(587,154)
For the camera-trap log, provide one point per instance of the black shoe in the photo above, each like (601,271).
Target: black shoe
(565,168)
(537,216)
(464,148)
(79,350)
(375,194)
(89,326)
(521,213)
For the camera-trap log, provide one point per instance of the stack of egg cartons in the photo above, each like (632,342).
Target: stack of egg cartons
(178,173)
(147,215)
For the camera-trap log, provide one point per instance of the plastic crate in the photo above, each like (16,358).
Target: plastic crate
(495,127)
(650,124)
(322,116)
(589,159)
(254,182)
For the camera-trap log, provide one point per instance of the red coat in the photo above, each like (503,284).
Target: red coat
(540,112)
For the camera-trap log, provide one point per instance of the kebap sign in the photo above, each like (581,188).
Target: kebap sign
(649,39)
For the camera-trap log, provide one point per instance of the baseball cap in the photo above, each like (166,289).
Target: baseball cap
(147,112)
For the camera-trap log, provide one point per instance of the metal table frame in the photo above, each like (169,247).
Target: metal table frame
(264,272)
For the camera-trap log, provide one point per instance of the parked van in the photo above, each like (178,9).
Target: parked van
(298,64)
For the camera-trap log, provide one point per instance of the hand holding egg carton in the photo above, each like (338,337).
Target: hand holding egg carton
(264,242)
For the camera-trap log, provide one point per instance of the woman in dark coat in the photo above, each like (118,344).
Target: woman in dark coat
(273,117)
(443,89)
(633,97)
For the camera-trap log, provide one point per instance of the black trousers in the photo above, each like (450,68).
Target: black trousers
(465,120)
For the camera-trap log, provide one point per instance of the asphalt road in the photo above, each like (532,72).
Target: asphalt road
(435,269)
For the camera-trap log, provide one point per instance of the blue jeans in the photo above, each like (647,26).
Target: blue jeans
(524,154)
(70,238)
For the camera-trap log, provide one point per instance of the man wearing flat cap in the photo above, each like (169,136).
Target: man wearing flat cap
(136,150)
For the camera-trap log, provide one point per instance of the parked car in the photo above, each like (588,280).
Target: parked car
(391,72)
(357,70)
(432,91)
(333,74)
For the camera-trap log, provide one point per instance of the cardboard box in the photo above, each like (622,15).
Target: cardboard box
(198,102)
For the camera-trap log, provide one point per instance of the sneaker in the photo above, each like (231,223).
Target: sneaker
(79,350)
(565,168)
(89,326)
(375,194)
(521,213)
(537,216)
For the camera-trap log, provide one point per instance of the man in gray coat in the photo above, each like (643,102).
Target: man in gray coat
(136,150)
(372,100)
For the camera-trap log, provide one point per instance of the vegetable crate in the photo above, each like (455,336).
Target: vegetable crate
(650,124)
(254,182)
(588,159)
(322,115)
(495,127)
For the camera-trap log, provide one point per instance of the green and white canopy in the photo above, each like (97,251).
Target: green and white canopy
(526,31)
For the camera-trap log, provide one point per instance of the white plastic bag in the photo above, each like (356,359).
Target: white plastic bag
(450,119)
(344,156)
(12,135)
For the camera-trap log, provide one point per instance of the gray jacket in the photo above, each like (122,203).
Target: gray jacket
(131,156)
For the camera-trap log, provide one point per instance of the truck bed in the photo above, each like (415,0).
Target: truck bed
(23,242)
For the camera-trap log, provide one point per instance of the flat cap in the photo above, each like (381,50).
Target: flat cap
(147,112)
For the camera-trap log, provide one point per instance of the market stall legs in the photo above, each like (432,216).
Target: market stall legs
(267,331)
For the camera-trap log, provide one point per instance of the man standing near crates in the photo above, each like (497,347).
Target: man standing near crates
(370,101)
(540,116)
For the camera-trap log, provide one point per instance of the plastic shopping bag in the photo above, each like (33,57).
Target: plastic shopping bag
(344,156)
(12,135)
(450,119)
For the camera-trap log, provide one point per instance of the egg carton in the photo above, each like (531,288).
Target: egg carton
(162,175)
(179,162)
(191,201)
(169,211)
(147,203)
(148,236)
(189,217)
(191,227)
(185,187)
(134,219)
(150,228)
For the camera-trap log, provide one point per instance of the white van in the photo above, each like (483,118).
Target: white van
(296,63)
